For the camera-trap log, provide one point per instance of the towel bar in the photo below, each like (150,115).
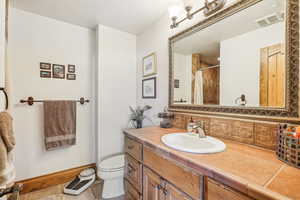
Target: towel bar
(30,101)
(6,97)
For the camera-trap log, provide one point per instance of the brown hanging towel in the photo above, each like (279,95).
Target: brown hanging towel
(59,124)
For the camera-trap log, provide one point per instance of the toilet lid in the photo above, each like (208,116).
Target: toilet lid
(113,163)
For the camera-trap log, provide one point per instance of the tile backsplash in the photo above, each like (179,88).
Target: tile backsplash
(258,133)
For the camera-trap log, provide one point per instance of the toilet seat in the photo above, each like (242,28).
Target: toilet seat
(113,164)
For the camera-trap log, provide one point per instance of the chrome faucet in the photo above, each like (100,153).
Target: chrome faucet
(197,128)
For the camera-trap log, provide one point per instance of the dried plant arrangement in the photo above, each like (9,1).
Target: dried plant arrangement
(137,115)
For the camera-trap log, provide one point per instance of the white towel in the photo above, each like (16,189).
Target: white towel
(198,93)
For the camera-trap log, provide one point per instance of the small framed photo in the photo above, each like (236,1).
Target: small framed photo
(45,74)
(149,88)
(58,71)
(45,66)
(176,83)
(71,76)
(149,65)
(71,68)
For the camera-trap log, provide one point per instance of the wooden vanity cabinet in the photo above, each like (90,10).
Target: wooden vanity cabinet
(153,186)
(150,175)
(141,182)
(133,177)
(133,172)
(156,188)
(180,176)
(218,191)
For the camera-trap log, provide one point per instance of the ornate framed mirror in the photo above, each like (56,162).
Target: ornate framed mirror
(242,60)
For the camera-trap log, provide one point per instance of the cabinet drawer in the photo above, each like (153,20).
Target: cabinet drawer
(130,192)
(133,148)
(182,178)
(217,191)
(133,172)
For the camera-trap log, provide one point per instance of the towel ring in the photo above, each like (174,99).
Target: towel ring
(6,97)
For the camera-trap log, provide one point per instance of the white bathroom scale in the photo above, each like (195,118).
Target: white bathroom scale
(82,182)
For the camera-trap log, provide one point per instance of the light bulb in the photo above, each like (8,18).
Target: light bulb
(174,11)
(188,3)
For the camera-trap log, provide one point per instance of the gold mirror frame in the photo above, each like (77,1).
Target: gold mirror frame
(292,53)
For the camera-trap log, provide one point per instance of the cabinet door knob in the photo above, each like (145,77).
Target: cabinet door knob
(130,147)
(159,187)
(166,192)
(130,169)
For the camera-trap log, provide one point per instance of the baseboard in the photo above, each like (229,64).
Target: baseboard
(52,179)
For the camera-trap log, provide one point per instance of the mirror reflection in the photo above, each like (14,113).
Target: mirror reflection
(238,61)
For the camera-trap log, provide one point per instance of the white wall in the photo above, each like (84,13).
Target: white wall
(2,50)
(180,74)
(155,39)
(183,72)
(116,87)
(241,55)
(2,41)
(35,39)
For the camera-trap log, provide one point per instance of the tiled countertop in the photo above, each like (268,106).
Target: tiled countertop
(254,171)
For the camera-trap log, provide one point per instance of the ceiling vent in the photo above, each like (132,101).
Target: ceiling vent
(270,19)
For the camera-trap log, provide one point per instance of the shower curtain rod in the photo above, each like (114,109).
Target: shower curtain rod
(31,101)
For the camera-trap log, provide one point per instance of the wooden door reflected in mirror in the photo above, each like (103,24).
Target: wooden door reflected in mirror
(272,76)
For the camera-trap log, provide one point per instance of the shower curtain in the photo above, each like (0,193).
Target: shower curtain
(198,93)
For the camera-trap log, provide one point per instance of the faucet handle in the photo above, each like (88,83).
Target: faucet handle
(200,128)
(200,123)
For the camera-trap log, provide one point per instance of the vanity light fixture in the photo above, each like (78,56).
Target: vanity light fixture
(209,8)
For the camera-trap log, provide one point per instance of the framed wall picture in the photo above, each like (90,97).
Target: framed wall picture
(176,83)
(71,68)
(149,65)
(149,88)
(58,71)
(45,74)
(71,76)
(45,66)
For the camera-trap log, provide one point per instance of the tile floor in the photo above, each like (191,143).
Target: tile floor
(56,193)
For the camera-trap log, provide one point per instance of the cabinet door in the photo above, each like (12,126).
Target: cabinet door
(153,186)
(173,193)
(130,192)
(133,172)
(217,191)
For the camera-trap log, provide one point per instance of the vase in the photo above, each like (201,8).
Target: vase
(139,124)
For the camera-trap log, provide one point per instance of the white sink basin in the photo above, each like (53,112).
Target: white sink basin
(190,142)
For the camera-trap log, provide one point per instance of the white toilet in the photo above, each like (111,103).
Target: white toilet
(111,170)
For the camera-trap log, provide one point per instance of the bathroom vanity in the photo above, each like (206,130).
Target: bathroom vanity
(241,172)
(239,74)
